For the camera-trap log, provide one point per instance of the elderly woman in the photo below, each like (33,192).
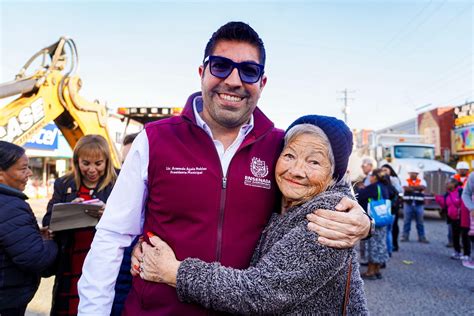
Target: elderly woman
(25,252)
(290,273)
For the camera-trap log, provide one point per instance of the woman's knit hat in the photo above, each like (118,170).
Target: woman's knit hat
(340,138)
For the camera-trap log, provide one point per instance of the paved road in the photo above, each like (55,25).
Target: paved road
(41,303)
(433,284)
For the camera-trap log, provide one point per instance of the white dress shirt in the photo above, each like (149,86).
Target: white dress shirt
(123,219)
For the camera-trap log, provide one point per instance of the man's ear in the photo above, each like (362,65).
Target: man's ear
(263,82)
(201,71)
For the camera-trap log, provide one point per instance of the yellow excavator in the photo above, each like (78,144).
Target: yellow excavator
(51,93)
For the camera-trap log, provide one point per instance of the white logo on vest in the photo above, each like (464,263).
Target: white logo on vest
(186,170)
(259,171)
(258,167)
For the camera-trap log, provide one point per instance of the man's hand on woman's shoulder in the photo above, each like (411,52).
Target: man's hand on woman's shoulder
(342,229)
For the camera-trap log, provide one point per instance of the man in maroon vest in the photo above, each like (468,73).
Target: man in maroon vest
(203,181)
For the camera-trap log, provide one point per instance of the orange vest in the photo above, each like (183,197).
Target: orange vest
(412,183)
(457,176)
(416,197)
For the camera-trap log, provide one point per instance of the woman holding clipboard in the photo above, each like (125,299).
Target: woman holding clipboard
(92,178)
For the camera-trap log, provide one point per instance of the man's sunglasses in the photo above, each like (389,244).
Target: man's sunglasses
(221,67)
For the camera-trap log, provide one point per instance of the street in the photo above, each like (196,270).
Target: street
(41,303)
(420,279)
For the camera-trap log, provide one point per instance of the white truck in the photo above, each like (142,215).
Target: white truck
(403,151)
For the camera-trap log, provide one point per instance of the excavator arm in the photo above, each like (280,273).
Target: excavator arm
(51,94)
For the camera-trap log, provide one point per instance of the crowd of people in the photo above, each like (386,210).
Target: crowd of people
(408,195)
(215,209)
(462,221)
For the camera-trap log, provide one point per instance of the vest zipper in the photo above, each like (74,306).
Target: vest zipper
(220,223)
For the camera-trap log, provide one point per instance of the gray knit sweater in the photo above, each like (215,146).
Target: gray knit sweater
(290,272)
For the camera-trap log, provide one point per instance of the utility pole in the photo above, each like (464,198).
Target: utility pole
(345,109)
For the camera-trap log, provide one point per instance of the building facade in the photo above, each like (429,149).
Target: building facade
(436,126)
(463,133)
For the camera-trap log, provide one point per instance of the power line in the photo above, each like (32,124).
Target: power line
(428,17)
(402,29)
(442,29)
(421,23)
(466,95)
(446,82)
(464,62)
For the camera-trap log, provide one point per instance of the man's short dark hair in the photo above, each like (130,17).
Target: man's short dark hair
(128,139)
(236,31)
(9,154)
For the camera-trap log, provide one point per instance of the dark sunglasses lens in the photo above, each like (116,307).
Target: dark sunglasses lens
(250,73)
(220,67)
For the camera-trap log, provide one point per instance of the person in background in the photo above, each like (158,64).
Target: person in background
(290,273)
(462,174)
(395,188)
(462,168)
(377,253)
(124,278)
(367,167)
(25,251)
(364,180)
(458,216)
(413,205)
(92,177)
(50,184)
(127,144)
(190,177)
(467,198)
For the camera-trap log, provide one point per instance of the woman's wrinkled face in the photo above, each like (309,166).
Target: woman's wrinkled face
(92,167)
(303,169)
(17,175)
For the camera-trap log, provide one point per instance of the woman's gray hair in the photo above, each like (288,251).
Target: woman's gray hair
(310,129)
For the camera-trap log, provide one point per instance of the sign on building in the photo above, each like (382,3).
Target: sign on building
(45,139)
(464,128)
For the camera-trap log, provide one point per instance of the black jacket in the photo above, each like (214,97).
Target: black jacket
(23,252)
(371,192)
(64,268)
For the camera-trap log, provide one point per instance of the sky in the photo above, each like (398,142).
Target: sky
(396,58)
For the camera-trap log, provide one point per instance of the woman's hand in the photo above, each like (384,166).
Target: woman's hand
(159,262)
(137,258)
(96,213)
(77,200)
(342,229)
(46,233)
